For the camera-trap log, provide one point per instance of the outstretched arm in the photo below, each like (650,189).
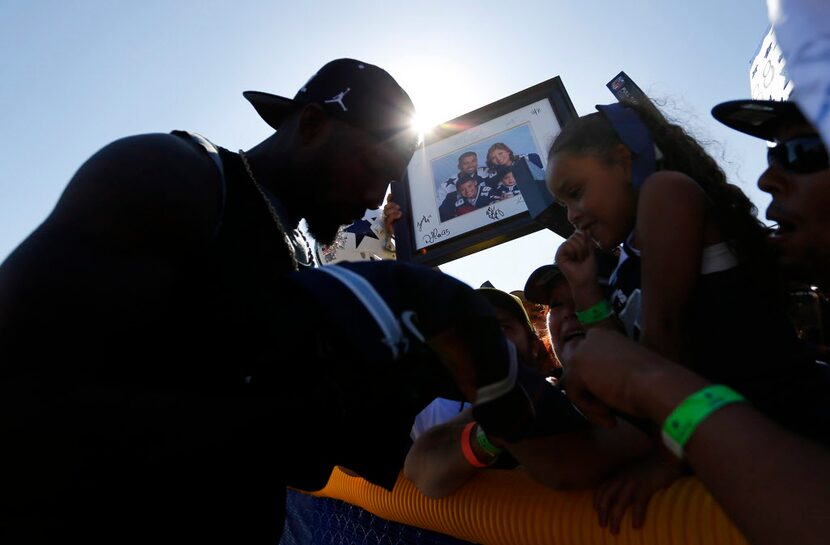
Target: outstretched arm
(774,484)
(579,459)
(435,463)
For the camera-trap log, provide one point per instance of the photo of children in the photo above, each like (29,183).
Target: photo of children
(511,160)
(483,175)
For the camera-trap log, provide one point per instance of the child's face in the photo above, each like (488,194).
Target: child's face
(499,157)
(467,189)
(515,331)
(597,194)
(565,330)
(508,180)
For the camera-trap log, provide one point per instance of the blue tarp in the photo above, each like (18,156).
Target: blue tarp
(310,520)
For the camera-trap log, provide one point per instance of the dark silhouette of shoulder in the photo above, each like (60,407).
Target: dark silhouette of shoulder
(131,215)
(148,189)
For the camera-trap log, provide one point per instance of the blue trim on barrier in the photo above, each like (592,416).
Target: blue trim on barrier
(310,520)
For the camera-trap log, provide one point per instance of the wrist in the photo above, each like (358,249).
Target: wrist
(656,390)
(682,423)
(586,295)
(595,314)
(471,447)
(483,446)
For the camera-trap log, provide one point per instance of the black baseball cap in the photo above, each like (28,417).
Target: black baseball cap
(759,118)
(353,91)
(510,303)
(541,283)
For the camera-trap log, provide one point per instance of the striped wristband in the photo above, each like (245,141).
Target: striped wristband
(467,448)
(485,443)
(681,424)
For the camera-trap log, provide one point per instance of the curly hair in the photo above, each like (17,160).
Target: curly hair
(732,210)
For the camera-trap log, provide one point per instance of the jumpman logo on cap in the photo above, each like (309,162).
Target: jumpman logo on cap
(339,99)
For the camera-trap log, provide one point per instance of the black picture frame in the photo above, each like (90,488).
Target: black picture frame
(537,214)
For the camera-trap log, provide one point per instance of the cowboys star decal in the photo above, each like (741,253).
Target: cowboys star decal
(361,229)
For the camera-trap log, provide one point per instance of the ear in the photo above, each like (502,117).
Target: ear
(622,156)
(314,125)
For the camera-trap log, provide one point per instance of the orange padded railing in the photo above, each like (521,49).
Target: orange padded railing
(507,507)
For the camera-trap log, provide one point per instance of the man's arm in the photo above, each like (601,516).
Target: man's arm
(437,467)
(578,459)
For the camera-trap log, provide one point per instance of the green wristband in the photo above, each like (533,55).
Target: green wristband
(686,417)
(596,313)
(485,443)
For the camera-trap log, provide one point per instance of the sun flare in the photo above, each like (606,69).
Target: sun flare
(422,126)
(434,103)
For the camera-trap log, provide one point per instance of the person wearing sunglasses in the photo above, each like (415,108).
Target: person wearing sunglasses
(797,178)
(773,482)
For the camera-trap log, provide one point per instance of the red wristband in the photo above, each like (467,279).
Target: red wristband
(467,449)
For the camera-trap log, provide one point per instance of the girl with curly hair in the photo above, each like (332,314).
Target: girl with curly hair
(695,280)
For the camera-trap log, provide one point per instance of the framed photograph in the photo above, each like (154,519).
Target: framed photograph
(479,180)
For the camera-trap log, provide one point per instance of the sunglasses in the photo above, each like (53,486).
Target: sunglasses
(799,155)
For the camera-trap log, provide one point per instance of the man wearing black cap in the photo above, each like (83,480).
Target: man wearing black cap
(133,316)
(168,370)
(362,116)
(782,494)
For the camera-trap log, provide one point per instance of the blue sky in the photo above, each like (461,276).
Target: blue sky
(77,75)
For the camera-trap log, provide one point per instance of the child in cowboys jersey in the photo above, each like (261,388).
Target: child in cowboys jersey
(470,195)
(467,164)
(694,280)
(507,186)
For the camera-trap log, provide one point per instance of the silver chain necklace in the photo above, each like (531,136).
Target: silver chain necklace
(294,264)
